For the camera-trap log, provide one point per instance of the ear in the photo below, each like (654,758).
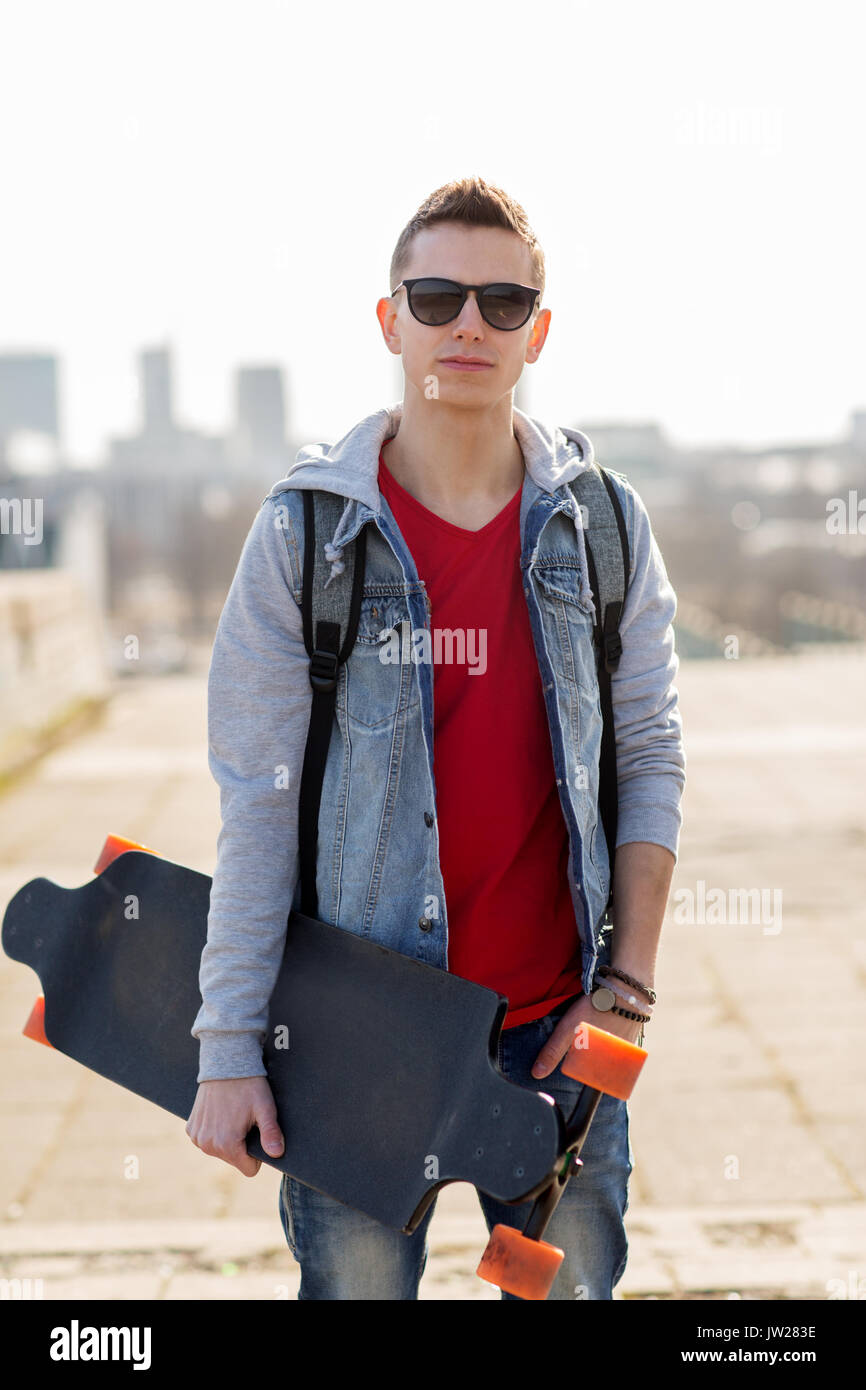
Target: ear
(535,341)
(386,313)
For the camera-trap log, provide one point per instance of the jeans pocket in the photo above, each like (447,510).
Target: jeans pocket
(287,1217)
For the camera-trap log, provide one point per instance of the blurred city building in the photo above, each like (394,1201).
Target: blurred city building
(28,404)
(744,531)
(153,535)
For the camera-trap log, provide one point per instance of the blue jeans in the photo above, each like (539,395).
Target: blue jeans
(344,1254)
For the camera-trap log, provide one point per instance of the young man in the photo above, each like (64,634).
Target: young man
(460,820)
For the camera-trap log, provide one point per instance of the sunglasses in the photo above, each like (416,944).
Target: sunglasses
(433,301)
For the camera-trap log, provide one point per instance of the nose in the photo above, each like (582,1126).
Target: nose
(469,321)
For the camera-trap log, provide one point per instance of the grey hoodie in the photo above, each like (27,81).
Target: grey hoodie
(258,713)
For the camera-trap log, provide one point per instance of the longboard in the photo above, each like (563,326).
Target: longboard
(383,1068)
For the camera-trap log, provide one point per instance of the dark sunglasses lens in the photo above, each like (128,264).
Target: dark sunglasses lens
(506,306)
(436,301)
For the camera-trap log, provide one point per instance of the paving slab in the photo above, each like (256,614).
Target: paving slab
(749,1122)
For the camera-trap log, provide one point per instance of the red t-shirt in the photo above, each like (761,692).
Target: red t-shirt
(502,836)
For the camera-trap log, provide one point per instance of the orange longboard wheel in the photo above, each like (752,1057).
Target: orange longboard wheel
(604,1061)
(518,1265)
(114,846)
(35,1026)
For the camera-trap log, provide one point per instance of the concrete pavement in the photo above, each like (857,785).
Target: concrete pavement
(747,1125)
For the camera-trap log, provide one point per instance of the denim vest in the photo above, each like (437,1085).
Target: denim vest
(378,869)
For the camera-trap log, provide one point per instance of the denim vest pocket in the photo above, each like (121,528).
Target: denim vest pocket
(381,679)
(567,619)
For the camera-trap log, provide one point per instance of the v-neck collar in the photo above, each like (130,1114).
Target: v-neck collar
(439,522)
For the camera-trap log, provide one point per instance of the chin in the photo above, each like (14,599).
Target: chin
(460,389)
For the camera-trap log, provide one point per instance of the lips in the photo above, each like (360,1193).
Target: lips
(468,364)
(458,358)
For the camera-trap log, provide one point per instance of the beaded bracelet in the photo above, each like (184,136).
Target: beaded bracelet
(644,1020)
(627,1013)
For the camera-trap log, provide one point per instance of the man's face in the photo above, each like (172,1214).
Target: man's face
(473,256)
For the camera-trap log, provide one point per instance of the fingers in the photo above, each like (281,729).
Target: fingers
(238,1157)
(222,1117)
(553,1051)
(269,1131)
(563,1035)
(229,1150)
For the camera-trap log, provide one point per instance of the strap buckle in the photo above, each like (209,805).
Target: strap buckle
(612,650)
(323,670)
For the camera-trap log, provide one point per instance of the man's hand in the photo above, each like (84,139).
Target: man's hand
(562,1037)
(225,1112)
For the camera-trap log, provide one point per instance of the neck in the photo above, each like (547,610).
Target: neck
(465,465)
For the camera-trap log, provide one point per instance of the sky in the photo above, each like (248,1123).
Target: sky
(230,179)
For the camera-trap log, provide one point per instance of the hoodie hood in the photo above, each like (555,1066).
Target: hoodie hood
(350,468)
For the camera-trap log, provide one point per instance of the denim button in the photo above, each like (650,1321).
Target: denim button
(424,923)
(428,819)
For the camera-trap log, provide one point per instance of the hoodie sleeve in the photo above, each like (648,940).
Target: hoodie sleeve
(649,746)
(259,699)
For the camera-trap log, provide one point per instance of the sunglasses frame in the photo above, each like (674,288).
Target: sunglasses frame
(479,290)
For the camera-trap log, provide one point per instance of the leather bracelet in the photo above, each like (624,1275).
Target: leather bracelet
(627,1013)
(629,980)
(611,982)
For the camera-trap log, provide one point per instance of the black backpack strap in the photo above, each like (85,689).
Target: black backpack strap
(609,563)
(330,617)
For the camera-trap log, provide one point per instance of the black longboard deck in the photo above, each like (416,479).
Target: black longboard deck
(383,1069)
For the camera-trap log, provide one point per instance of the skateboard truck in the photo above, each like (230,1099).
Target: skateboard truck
(520,1262)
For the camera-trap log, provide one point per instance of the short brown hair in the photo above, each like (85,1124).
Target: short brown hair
(476,203)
